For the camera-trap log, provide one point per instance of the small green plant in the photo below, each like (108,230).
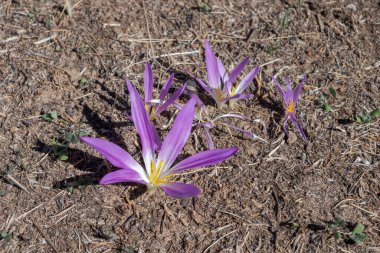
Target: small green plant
(5,235)
(284,20)
(59,150)
(30,16)
(204,8)
(299,4)
(83,48)
(83,82)
(73,137)
(50,116)
(368,117)
(357,236)
(334,227)
(325,105)
(324,100)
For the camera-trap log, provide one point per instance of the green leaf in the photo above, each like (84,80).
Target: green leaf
(357,235)
(5,235)
(332,92)
(326,107)
(358,229)
(337,235)
(375,113)
(83,82)
(70,137)
(294,226)
(203,7)
(49,116)
(63,157)
(358,238)
(340,222)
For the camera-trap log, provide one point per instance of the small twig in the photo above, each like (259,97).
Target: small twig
(46,238)
(28,212)
(45,40)
(64,211)
(364,210)
(275,149)
(9,177)
(212,244)
(86,95)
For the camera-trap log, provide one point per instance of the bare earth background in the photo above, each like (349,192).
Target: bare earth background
(276,197)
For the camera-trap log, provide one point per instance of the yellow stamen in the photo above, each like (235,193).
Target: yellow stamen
(154,176)
(158,169)
(232,91)
(151,112)
(152,167)
(147,108)
(290,106)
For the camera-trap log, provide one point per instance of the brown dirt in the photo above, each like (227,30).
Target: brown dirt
(254,202)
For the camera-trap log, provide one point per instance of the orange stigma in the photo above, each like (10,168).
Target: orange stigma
(290,107)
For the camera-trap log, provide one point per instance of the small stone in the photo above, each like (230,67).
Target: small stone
(292,138)
(351,7)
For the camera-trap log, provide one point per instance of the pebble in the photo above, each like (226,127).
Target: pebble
(351,7)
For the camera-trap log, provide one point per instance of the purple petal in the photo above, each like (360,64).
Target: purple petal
(143,125)
(237,70)
(289,91)
(181,190)
(205,87)
(298,89)
(171,100)
(117,156)
(247,80)
(210,143)
(212,67)
(280,89)
(122,176)
(157,139)
(177,137)
(295,121)
(249,134)
(222,71)
(148,82)
(203,159)
(287,115)
(166,87)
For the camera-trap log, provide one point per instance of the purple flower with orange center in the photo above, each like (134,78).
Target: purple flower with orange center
(158,170)
(290,99)
(221,84)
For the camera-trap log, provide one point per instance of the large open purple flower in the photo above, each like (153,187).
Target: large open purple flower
(290,98)
(220,83)
(158,170)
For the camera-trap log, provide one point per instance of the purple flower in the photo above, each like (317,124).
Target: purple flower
(158,170)
(290,98)
(154,107)
(220,83)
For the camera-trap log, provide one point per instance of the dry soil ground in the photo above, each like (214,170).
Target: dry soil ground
(283,196)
